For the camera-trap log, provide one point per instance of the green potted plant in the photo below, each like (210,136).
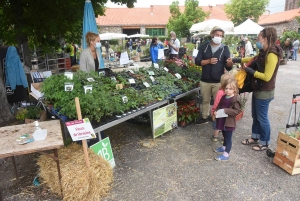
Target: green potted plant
(187,114)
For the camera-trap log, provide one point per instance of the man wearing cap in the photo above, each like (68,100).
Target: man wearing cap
(213,56)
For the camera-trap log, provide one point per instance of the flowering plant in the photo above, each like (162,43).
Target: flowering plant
(187,113)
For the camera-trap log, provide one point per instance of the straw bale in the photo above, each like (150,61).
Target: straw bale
(78,181)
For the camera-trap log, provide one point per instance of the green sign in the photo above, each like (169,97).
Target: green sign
(103,149)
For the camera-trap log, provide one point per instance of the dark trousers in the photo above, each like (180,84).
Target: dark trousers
(73,61)
(227,140)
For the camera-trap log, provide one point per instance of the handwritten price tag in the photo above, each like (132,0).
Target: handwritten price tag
(178,76)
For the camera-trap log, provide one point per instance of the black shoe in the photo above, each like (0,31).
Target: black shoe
(201,121)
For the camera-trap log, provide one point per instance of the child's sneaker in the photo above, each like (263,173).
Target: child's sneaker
(219,149)
(215,139)
(221,158)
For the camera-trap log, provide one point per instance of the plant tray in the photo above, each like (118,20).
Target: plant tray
(287,155)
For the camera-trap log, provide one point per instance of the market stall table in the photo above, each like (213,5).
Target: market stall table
(9,147)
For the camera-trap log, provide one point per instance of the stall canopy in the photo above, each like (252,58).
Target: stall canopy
(110,36)
(248,27)
(207,26)
(89,21)
(138,36)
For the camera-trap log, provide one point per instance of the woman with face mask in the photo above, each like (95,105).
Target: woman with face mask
(263,83)
(91,57)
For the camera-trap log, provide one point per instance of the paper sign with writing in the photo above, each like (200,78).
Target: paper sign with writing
(131,81)
(146,84)
(166,69)
(178,76)
(152,78)
(124,59)
(155,65)
(161,54)
(151,72)
(81,129)
(195,53)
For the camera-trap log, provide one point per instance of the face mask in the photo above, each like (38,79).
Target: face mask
(98,45)
(259,45)
(217,40)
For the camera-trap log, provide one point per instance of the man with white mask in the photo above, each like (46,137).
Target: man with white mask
(213,56)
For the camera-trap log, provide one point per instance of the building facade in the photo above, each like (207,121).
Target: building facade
(291,4)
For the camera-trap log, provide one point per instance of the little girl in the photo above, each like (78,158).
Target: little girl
(219,95)
(230,102)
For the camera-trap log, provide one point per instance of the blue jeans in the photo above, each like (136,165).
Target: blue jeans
(295,54)
(227,140)
(261,126)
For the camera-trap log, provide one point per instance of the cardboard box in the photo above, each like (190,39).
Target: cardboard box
(42,118)
(35,89)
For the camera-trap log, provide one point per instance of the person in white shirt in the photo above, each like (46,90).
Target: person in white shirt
(248,48)
(174,45)
(295,47)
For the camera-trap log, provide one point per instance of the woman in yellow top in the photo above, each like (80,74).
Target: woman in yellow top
(263,83)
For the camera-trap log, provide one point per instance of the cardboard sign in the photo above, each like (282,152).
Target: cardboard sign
(81,129)
(103,148)
(124,59)
(119,86)
(161,54)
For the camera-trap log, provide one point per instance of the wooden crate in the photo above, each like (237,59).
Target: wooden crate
(287,154)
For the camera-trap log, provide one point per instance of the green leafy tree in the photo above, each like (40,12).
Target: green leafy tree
(182,22)
(42,23)
(240,10)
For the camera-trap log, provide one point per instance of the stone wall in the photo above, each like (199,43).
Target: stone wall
(110,29)
(286,26)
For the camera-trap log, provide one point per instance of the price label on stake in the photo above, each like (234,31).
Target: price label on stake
(152,78)
(81,129)
(166,69)
(151,72)
(131,81)
(178,76)
(146,84)
(155,65)
(131,71)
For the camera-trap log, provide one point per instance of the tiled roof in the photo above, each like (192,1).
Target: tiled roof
(281,17)
(143,16)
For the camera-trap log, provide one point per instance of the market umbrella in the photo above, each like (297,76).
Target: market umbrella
(138,36)
(110,36)
(207,26)
(89,21)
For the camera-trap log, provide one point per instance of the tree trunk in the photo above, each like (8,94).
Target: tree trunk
(5,115)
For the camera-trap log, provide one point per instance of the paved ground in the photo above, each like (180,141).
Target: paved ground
(179,165)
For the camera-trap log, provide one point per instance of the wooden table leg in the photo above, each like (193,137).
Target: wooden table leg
(58,169)
(15,167)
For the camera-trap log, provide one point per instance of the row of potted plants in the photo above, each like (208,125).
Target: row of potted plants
(105,98)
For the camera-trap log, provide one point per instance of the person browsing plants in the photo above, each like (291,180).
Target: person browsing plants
(231,105)
(213,56)
(154,50)
(263,84)
(91,57)
(174,45)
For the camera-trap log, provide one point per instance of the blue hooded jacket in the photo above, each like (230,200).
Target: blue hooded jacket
(14,72)
(154,51)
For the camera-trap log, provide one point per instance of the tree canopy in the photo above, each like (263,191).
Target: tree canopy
(182,22)
(43,23)
(240,10)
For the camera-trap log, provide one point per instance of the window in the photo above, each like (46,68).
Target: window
(155,31)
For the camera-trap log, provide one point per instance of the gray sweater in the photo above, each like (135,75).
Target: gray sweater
(87,62)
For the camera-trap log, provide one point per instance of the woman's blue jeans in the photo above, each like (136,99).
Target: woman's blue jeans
(261,128)
(295,54)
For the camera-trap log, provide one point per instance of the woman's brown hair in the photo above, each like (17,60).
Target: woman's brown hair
(90,36)
(271,35)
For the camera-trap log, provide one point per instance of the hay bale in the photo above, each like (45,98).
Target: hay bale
(78,181)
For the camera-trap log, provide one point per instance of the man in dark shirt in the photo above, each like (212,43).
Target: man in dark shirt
(213,56)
